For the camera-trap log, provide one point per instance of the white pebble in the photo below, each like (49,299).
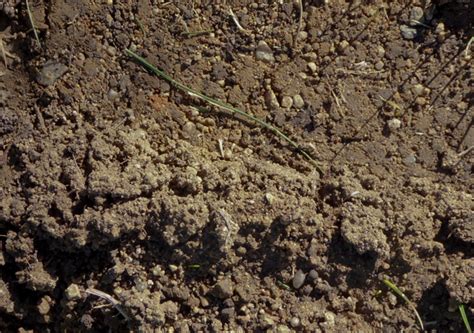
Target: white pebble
(394,124)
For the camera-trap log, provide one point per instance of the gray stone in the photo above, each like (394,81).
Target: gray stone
(50,72)
(409,160)
(263,52)
(113,94)
(298,279)
(408,32)
(223,289)
(416,15)
(379,65)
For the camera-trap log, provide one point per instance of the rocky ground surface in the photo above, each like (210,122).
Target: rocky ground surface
(113,182)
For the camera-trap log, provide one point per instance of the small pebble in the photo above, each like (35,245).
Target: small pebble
(269,198)
(73,292)
(330,319)
(410,159)
(418,89)
(223,289)
(298,279)
(394,124)
(271,100)
(392,299)
(440,28)
(313,274)
(408,32)
(204,302)
(228,313)
(112,94)
(342,45)
(266,321)
(111,51)
(380,51)
(264,52)
(287,102)
(416,15)
(295,322)
(129,113)
(50,72)
(282,329)
(420,101)
(312,67)
(173,268)
(302,35)
(310,56)
(298,101)
(303,75)
(379,65)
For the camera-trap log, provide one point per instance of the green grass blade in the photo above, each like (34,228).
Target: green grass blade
(221,105)
(397,291)
(30,16)
(464,318)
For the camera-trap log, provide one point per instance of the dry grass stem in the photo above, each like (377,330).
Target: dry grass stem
(30,16)
(115,303)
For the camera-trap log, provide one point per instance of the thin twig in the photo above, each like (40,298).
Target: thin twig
(236,21)
(115,303)
(466,151)
(221,147)
(195,33)
(300,22)
(30,15)
(222,105)
(468,46)
(4,55)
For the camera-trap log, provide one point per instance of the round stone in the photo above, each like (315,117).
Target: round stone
(298,101)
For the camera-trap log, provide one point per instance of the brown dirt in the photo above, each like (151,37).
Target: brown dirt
(111,180)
